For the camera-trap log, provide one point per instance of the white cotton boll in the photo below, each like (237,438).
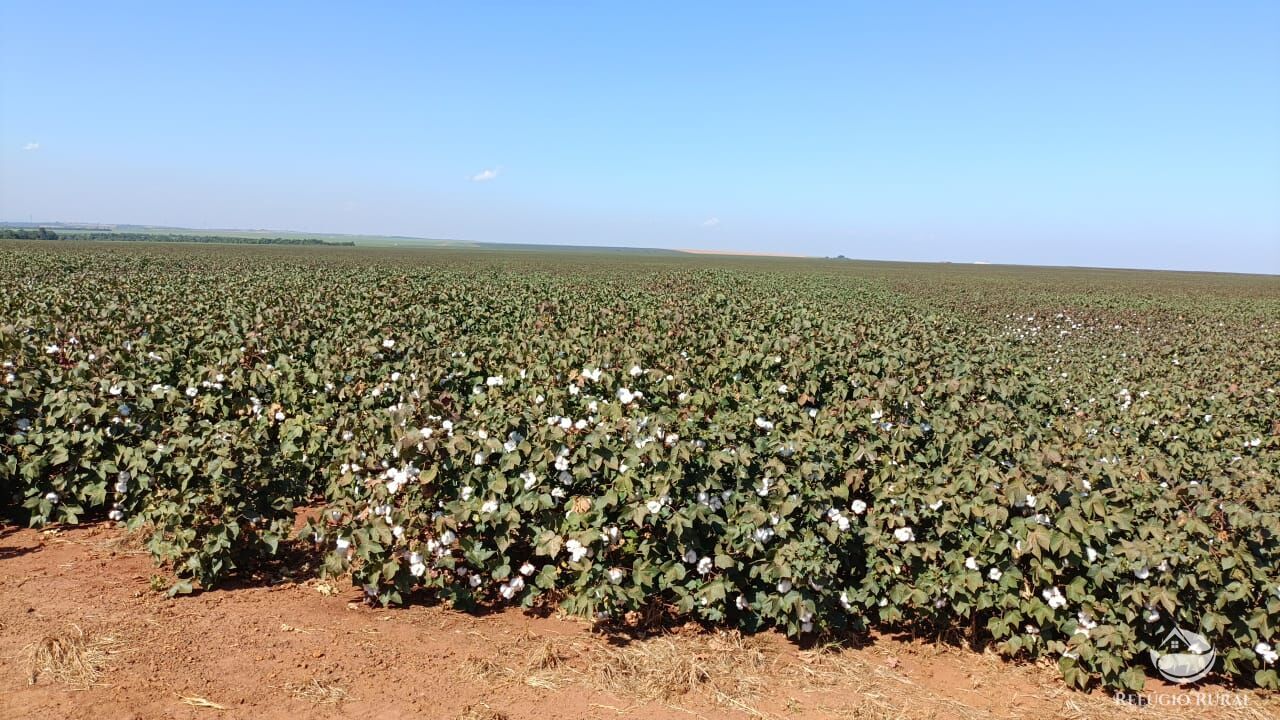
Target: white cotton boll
(388,343)
(530,479)
(690,557)
(764,424)
(935,506)
(116,515)
(342,543)
(636,370)
(784,586)
(877,414)
(474,581)
(1266,652)
(615,575)
(654,506)
(490,506)
(467,492)
(576,550)
(447,537)
(1142,573)
(1091,554)
(495,380)
(858,507)
(971,563)
(741,602)
(994,574)
(764,534)
(191,391)
(480,458)
(122,486)
(626,397)
(904,534)
(1054,597)
(704,566)
(574,390)
(527,569)
(539,400)
(279,415)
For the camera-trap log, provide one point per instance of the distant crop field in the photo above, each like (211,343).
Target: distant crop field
(1061,463)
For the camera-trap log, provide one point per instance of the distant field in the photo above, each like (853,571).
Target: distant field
(1055,463)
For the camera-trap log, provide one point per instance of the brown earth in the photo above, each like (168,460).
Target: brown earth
(78,611)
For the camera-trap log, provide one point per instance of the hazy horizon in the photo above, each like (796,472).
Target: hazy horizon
(1070,135)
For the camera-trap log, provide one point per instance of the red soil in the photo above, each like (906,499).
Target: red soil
(253,650)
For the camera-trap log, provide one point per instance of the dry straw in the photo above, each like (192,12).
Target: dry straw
(71,657)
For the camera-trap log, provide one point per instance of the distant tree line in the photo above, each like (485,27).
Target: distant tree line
(26,234)
(47,234)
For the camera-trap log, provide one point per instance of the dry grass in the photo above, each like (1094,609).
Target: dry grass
(883,694)
(317,691)
(724,666)
(761,679)
(71,657)
(199,702)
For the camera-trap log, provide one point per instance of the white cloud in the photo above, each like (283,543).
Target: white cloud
(485,175)
(31,146)
(711,222)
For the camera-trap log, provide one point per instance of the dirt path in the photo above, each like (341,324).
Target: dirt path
(294,650)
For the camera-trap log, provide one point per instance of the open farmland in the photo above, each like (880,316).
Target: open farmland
(1060,464)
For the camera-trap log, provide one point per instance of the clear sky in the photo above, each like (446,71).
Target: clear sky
(1142,134)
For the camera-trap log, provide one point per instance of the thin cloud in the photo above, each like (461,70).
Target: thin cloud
(485,175)
(711,222)
(31,146)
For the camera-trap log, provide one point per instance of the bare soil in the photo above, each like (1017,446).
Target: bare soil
(83,634)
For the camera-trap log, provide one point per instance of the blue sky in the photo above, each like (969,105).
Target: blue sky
(1088,133)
